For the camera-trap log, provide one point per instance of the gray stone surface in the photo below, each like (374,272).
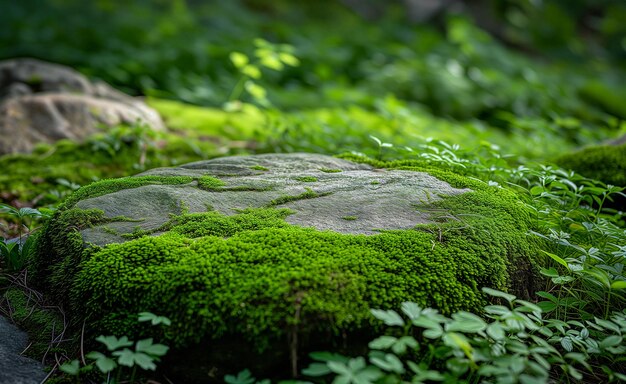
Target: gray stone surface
(14,368)
(44,102)
(357,200)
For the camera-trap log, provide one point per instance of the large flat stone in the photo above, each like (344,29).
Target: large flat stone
(350,198)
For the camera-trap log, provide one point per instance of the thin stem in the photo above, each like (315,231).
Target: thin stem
(132,376)
(19,244)
(238,89)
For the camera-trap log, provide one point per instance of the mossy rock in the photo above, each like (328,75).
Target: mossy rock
(606,163)
(42,102)
(246,258)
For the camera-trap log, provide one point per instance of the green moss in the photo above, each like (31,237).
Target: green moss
(350,218)
(60,249)
(308,194)
(210,183)
(605,163)
(214,184)
(455,176)
(104,187)
(375,182)
(215,224)
(257,188)
(330,170)
(112,231)
(40,323)
(271,265)
(307,179)
(259,168)
(197,121)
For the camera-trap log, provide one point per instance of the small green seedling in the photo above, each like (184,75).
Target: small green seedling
(14,252)
(307,179)
(144,355)
(381,146)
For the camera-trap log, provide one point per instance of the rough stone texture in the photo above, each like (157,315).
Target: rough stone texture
(14,368)
(357,200)
(43,102)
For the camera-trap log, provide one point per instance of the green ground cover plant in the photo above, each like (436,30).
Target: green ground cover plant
(511,343)
(145,355)
(14,254)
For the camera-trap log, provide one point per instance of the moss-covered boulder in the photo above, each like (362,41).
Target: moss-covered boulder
(257,259)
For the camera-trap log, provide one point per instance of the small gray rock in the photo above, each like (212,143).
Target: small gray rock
(44,102)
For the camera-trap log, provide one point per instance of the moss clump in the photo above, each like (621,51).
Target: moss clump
(605,163)
(307,179)
(350,218)
(210,183)
(259,168)
(214,184)
(104,187)
(330,170)
(273,266)
(60,249)
(308,194)
(257,188)
(215,224)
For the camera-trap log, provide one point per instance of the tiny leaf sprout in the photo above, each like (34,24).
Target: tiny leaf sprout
(266,55)
(381,146)
(15,251)
(154,319)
